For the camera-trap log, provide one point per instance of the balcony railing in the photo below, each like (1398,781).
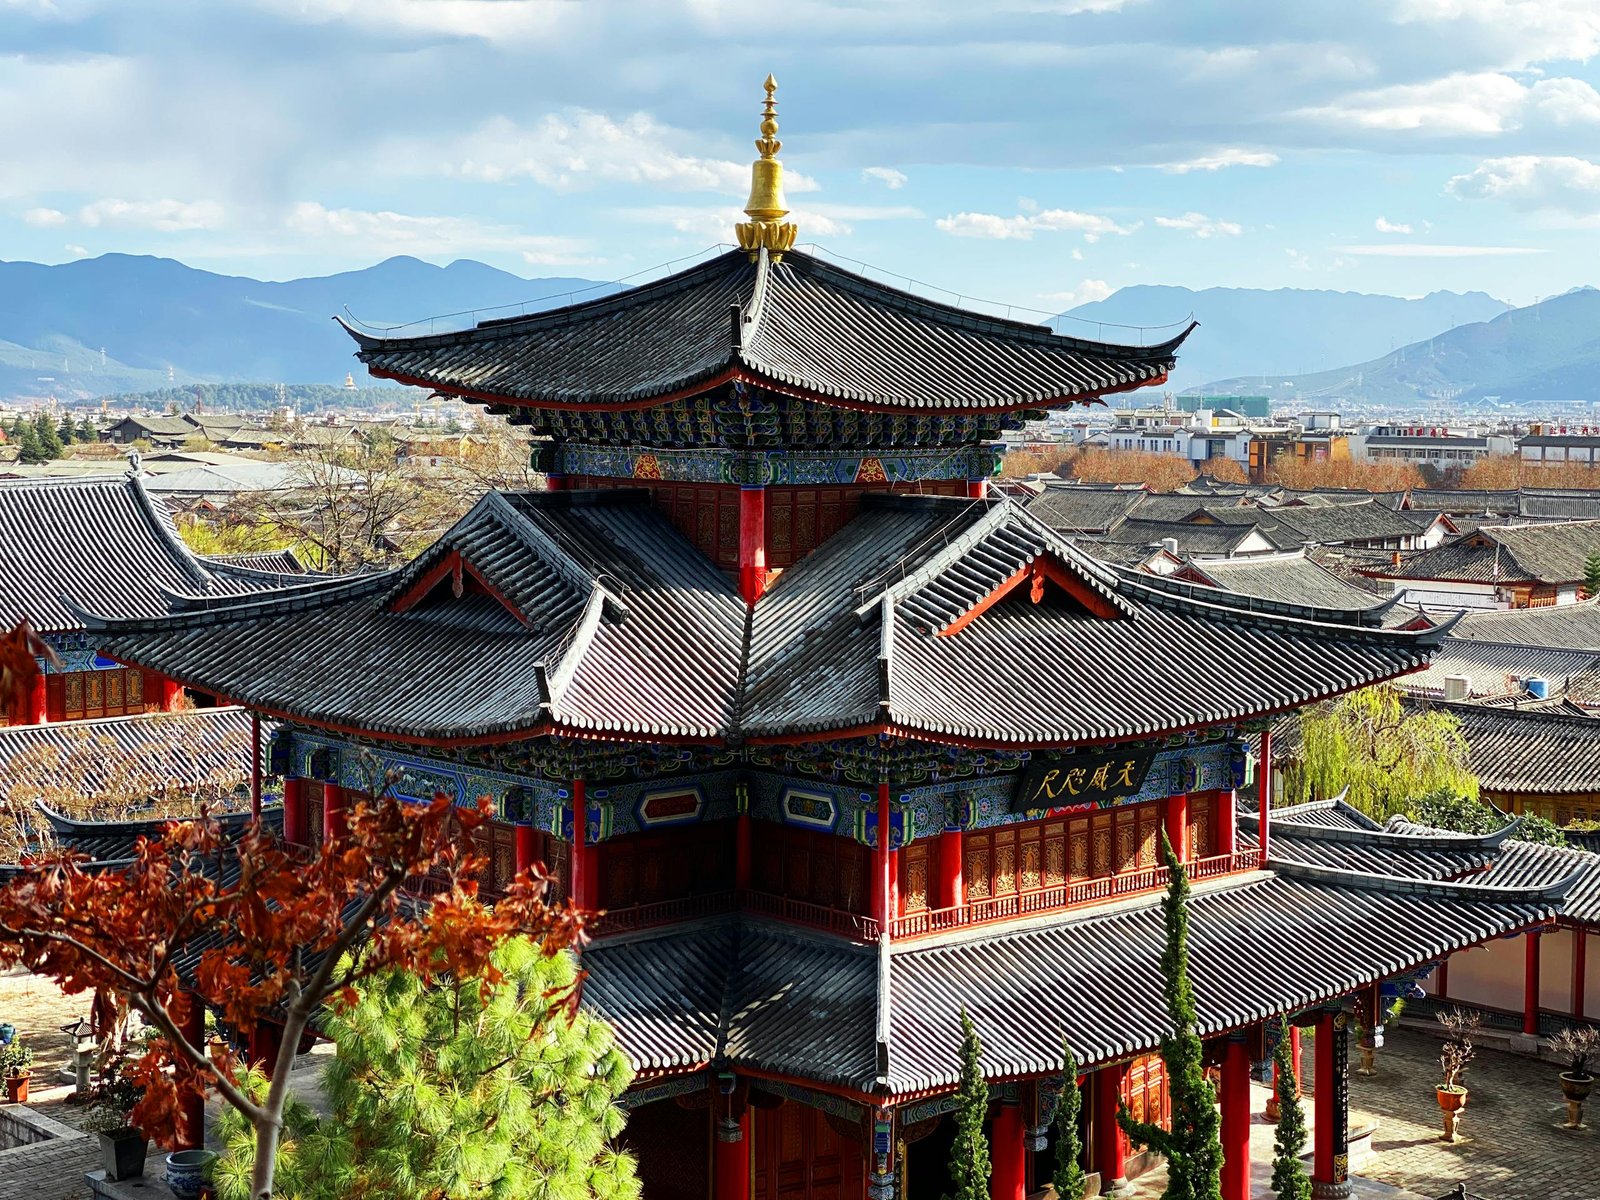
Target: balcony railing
(1077,893)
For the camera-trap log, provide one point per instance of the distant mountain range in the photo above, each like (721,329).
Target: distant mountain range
(1248,332)
(149,314)
(1548,351)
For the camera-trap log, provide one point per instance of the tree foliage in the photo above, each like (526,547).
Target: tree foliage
(1068,1177)
(1192,1146)
(1289,1179)
(1298,473)
(456,1090)
(274,934)
(1384,753)
(1591,575)
(1445,809)
(969,1154)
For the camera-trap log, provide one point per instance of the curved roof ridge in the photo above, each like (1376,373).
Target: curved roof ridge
(1246,600)
(1549,894)
(221,608)
(1395,838)
(167,532)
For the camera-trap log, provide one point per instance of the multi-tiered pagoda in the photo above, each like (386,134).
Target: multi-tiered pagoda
(837,741)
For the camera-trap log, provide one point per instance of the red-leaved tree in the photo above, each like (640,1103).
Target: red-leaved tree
(265,934)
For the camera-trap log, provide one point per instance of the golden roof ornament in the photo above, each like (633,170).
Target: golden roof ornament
(766,229)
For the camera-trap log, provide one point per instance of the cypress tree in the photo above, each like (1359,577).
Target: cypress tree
(1068,1177)
(1192,1147)
(1289,1179)
(969,1156)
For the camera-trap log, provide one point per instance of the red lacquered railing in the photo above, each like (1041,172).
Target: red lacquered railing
(665,912)
(802,912)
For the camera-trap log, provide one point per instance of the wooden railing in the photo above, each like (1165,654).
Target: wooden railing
(857,927)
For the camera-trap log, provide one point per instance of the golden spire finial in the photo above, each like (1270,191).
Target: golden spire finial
(766,207)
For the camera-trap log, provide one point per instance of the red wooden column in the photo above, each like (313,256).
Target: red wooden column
(1580,956)
(294,811)
(977,489)
(583,883)
(171,695)
(1008,1155)
(266,1040)
(554,481)
(524,847)
(1294,1059)
(742,851)
(1264,789)
(1442,991)
(1236,1120)
(1227,820)
(752,543)
(731,1159)
(193,1028)
(1330,1160)
(1177,818)
(883,881)
(1110,1146)
(333,801)
(1530,985)
(38,701)
(949,887)
(255,766)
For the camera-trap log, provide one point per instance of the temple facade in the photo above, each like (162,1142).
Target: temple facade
(836,741)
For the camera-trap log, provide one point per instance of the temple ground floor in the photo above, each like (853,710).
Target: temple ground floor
(1511,1148)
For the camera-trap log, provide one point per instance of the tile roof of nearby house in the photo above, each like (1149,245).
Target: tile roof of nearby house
(274,562)
(801,325)
(886,1017)
(99,543)
(1292,578)
(1549,553)
(1534,504)
(600,616)
(1537,752)
(1192,538)
(1083,509)
(1498,669)
(1558,626)
(1333,524)
(164,427)
(1465,501)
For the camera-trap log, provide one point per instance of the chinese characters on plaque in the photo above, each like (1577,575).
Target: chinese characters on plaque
(1082,780)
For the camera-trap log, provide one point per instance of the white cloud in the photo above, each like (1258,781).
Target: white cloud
(1526,30)
(164,216)
(1077,255)
(1025,225)
(1086,292)
(76,251)
(1480,104)
(1231,157)
(1384,225)
(486,20)
(888,176)
(714,223)
(385,233)
(1201,225)
(1532,182)
(581,149)
(43,218)
(1428,250)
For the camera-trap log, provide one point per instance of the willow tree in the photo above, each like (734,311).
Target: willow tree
(1383,754)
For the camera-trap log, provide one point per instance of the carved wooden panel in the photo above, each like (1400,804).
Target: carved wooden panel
(1100,863)
(1200,841)
(1055,861)
(1032,877)
(914,878)
(1080,851)
(1127,842)
(1005,866)
(976,871)
(1149,825)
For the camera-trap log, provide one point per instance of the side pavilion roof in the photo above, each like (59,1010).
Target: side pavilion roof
(803,326)
(588,613)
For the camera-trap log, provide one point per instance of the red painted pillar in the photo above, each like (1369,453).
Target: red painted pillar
(1580,965)
(741,852)
(1264,788)
(949,887)
(1323,1106)
(333,799)
(38,701)
(525,847)
(1294,1056)
(752,543)
(294,812)
(1443,992)
(193,1027)
(255,766)
(171,695)
(977,489)
(266,1039)
(731,1170)
(1236,1121)
(1227,820)
(1530,985)
(883,867)
(1178,825)
(582,884)
(1008,1155)
(1110,1146)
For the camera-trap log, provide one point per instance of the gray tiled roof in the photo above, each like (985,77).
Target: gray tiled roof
(1559,626)
(1466,501)
(1192,538)
(100,542)
(1295,579)
(802,324)
(1498,669)
(625,627)
(1333,524)
(1540,752)
(1549,553)
(1084,509)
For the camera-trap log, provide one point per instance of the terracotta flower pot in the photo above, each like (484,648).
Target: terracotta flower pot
(17,1087)
(1451,1101)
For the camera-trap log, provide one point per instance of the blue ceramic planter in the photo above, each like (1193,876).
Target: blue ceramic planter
(189,1171)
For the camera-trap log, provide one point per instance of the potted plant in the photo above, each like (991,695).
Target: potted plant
(1579,1048)
(1460,1029)
(16,1060)
(122,1145)
(189,1172)
(1453,1058)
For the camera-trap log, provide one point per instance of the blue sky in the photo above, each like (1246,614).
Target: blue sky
(1040,152)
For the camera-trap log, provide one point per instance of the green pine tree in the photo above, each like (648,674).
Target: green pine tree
(67,432)
(1192,1147)
(1068,1177)
(443,1088)
(969,1156)
(44,430)
(1289,1178)
(87,431)
(26,439)
(1591,574)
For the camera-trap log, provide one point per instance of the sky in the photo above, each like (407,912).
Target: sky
(1037,152)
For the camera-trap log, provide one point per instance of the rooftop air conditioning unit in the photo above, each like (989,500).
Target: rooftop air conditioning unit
(1539,689)
(1457,687)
